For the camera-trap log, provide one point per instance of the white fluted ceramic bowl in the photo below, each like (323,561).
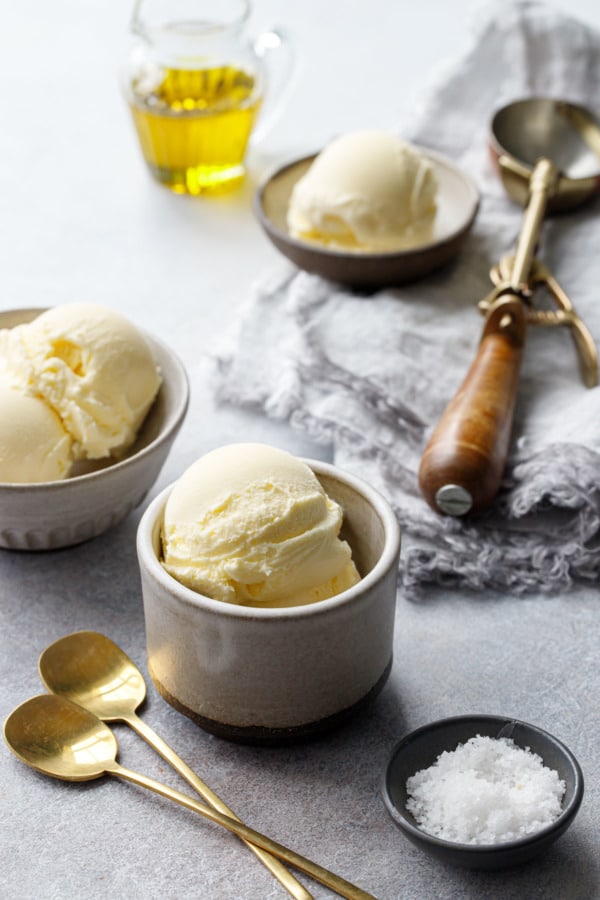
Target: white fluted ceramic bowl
(52,514)
(271,675)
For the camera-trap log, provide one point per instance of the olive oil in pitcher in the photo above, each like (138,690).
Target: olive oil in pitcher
(194,124)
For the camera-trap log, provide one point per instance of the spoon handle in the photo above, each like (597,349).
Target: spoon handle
(324,876)
(289,882)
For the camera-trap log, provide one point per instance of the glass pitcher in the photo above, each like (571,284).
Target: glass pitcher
(195,85)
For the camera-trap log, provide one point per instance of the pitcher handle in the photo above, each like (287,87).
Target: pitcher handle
(275,50)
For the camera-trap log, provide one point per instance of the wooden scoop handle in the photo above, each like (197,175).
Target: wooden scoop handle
(463,462)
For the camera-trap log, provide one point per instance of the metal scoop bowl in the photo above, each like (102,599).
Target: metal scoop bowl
(567,134)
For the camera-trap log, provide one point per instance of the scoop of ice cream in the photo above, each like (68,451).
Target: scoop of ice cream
(92,367)
(34,446)
(366,191)
(251,524)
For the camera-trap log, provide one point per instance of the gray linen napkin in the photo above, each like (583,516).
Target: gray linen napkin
(371,375)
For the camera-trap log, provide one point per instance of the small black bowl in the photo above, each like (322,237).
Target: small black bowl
(420,749)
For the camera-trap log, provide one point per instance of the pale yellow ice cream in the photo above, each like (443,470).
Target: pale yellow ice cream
(367,191)
(34,446)
(251,524)
(91,366)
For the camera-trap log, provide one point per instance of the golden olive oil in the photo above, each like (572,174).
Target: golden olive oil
(194,124)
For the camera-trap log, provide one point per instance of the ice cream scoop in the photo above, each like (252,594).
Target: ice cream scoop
(251,524)
(34,446)
(367,191)
(91,366)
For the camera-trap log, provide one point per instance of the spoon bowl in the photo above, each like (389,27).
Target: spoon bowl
(94,672)
(60,739)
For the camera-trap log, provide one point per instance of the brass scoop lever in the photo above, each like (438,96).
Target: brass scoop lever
(566,315)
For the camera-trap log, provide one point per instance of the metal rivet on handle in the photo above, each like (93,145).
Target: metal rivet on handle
(453,500)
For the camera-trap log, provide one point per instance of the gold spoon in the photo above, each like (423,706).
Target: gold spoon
(92,671)
(59,738)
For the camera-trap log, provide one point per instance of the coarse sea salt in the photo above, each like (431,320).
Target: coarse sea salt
(486,791)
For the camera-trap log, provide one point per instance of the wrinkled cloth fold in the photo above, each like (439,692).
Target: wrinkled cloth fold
(370,375)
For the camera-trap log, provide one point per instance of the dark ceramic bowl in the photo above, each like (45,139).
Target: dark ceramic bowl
(458,202)
(421,748)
